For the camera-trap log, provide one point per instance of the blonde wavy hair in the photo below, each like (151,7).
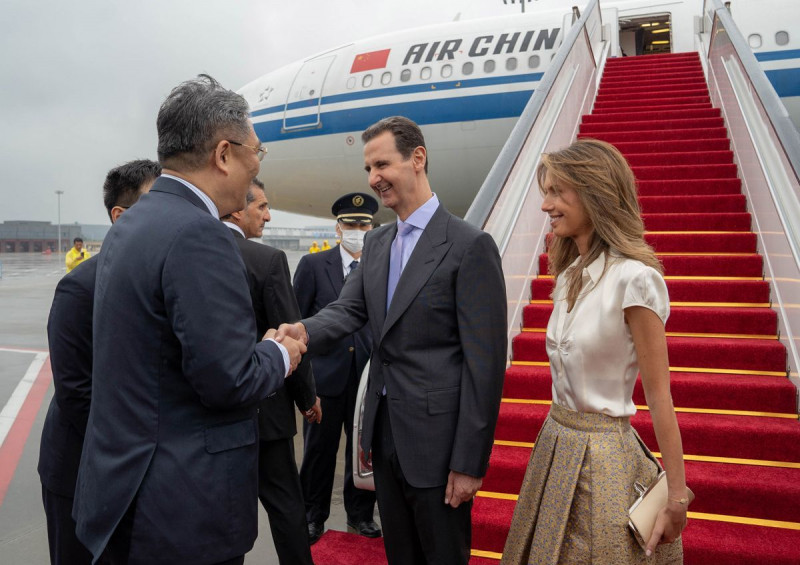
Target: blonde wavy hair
(606,187)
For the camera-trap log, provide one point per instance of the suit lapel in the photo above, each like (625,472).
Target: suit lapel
(427,255)
(171,186)
(335,271)
(376,274)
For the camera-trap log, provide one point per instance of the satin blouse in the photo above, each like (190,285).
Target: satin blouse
(593,361)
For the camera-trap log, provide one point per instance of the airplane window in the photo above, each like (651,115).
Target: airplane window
(351,82)
(533,61)
(366,81)
(405,75)
(488,66)
(425,73)
(386,78)
(447,71)
(467,68)
(782,37)
(754,40)
(511,64)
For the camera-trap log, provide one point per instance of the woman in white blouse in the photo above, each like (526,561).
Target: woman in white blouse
(610,305)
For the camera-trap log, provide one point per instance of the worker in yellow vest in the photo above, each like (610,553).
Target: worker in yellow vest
(76,255)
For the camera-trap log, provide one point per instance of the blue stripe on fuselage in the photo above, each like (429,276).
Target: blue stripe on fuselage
(409,89)
(777,55)
(786,82)
(460,109)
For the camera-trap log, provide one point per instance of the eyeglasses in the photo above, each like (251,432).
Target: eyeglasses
(261,151)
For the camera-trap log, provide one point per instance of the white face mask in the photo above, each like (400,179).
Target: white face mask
(353,240)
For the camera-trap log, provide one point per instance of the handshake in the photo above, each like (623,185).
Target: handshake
(294,338)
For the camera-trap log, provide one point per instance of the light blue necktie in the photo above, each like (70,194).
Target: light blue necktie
(396,260)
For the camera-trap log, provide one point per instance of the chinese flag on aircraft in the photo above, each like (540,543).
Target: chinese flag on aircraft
(370,61)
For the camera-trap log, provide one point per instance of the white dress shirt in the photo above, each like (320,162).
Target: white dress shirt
(593,360)
(346,260)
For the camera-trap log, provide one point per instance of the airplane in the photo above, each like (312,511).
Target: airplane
(466,83)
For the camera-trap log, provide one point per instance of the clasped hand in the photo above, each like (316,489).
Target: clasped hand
(295,348)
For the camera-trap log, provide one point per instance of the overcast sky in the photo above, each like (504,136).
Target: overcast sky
(82,81)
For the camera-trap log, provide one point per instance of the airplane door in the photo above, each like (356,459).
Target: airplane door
(303,102)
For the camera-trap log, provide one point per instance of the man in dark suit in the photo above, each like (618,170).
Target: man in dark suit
(169,469)
(274,303)
(431,289)
(318,281)
(69,332)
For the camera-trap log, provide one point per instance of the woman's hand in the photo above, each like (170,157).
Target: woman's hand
(670,522)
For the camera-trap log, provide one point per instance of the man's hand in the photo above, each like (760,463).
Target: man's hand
(460,488)
(295,331)
(295,349)
(314,414)
(270,334)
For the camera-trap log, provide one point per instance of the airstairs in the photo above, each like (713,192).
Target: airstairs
(717,170)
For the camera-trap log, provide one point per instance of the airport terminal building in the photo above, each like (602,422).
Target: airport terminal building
(22,236)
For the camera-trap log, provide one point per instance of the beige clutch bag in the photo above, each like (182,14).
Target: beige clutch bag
(643,512)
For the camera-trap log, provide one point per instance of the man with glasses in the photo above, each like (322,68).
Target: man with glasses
(317,282)
(169,469)
(273,304)
(69,333)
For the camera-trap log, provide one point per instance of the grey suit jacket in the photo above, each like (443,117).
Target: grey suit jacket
(439,350)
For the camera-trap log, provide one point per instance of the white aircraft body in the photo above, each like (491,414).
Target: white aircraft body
(465,83)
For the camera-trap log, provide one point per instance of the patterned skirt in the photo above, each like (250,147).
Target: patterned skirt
(573,505)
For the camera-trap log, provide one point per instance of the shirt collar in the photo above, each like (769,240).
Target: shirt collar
(234,227)
(212,208)
(346,257)
(422,215)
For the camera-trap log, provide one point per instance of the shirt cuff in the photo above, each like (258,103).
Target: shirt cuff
(285,355)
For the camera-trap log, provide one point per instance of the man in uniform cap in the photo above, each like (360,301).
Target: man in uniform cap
(318,281)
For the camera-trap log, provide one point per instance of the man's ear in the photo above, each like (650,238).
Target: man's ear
(237,215)
(420,156)
(116,212)
(222,156)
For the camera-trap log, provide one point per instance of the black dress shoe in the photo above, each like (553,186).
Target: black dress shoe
(315,530)
(366,528)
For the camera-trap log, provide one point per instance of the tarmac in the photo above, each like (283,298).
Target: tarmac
(27,283)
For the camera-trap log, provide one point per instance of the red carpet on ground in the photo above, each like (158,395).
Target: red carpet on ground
(736,407)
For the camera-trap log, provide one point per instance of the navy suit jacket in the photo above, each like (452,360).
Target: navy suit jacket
(69,332)
(274,304)
(176,380)
(318,280)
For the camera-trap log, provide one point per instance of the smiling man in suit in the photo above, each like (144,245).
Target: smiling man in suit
(273,304)
(169,469)
(317,282)
(431,289)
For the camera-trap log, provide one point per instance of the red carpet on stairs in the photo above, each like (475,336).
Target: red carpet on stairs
(735,405)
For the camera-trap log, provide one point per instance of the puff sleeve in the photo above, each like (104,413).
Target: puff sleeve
(647,288)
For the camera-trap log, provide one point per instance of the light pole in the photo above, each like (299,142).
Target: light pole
(59,193)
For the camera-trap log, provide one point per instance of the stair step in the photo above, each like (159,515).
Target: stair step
(750,265)
(709,435)
(719,203)
(688,76)
(672,95)
(650,89)
(688,319)
(723,221)
(681,158)
(755,393)
(683,290)
(762,356)
(700,242)
(689,187)
(617,106)
(651,115)
(658,135)
(716,171)
(652,125)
